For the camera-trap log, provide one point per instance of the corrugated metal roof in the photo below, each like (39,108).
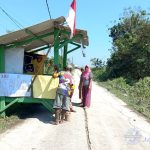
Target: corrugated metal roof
(40,29)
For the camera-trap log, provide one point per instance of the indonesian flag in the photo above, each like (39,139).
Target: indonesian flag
(71,19)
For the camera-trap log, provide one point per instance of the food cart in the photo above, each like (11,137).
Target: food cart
(22,78)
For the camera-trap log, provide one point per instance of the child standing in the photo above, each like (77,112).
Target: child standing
(62,99)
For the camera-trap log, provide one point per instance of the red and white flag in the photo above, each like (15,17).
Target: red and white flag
(71,19)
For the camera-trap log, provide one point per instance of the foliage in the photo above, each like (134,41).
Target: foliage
(131,46)
(96,62)
(141,91)
(49,64)
(99,69)
(127,72)
(100,74)
(120,85)
(8,122)
(136,96)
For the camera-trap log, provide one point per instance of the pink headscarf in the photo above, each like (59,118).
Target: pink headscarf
(86,72)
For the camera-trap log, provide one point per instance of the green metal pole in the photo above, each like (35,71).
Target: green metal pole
(78,36)
(2,106)
(2,59)
(16,44)
(40,49)
(65,56)
(8,105)
(73,49)
(2,70)
(56,46)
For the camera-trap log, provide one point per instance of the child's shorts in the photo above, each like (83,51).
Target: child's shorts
(62,102)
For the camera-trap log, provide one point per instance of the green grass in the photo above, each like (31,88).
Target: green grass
(8,122)
(141,107)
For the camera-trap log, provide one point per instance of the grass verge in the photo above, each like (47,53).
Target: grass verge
(8,122)
(142,108)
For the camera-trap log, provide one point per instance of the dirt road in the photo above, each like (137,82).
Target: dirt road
(107,125)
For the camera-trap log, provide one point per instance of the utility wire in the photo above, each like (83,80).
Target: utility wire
(12,19)
(48,10)
(21,26)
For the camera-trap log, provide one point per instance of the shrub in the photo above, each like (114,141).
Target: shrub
(141,91)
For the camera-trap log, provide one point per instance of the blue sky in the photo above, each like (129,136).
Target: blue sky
(95,16)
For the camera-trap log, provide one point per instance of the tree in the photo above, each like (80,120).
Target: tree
(131,46)
(96,62)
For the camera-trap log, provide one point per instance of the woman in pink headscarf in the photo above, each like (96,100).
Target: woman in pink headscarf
(86,83)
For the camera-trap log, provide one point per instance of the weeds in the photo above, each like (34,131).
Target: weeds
(137,95)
